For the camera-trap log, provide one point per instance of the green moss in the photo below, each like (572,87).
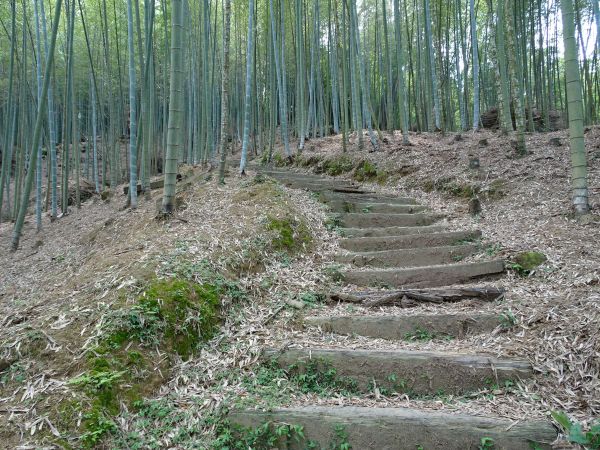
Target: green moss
(186,312)
(174,315)
(368,171)
(337,166)
(530,260)
(289,234)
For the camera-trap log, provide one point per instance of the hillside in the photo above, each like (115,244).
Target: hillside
(264,253)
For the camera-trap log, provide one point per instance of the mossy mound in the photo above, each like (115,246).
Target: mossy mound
(174,316)
(289,235)
(530,260)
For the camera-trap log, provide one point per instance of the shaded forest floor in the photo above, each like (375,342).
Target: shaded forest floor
(66,287)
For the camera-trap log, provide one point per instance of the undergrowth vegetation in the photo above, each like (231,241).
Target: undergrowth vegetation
(138,340)
(170,317)
(283,233)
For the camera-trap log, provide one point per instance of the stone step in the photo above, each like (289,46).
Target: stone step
(418,239)
(389,231)
(327,197)
(362,220)
(426,276)
(342,206)
(413,327)
(413,372)
(366,428)
(410,257)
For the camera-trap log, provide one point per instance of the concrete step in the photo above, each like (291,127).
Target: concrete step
(398,429)
(410,257)
(427,276)
(413,372)
(327,197)
(362,220)
(389,231)
(418,239)
(413,327)
(342,206)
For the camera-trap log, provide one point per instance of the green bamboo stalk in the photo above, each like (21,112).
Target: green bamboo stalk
(575,109)
(37,131)
(175,132)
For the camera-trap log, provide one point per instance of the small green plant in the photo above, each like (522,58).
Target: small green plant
(341,439)
(493,250)
(320,377)
(419,335)
(14,372)
(508,319)
(332,223)
(349,207)
(526,262)
(337,166)
(464,241)
(334,272)
(312,299)
(590,439)
(486,443)
(518,269)
(279,160)
(97,425)
(98,380)
(266,436)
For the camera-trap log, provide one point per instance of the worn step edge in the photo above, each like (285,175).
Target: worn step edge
(413,240)
(407,327)
(374,208)
(389,231)
(406,371)
(408,257)
(320,183)
(357,220)
(299,176)
(400,428)
(426,276)
(328,196)
(411,372)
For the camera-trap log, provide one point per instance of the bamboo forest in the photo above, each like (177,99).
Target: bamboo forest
(299,224)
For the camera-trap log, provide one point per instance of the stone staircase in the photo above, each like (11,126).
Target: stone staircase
(395,244)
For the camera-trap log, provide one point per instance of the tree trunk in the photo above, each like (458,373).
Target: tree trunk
(575,109)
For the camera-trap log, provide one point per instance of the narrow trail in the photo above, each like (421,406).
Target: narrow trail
(395,244)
